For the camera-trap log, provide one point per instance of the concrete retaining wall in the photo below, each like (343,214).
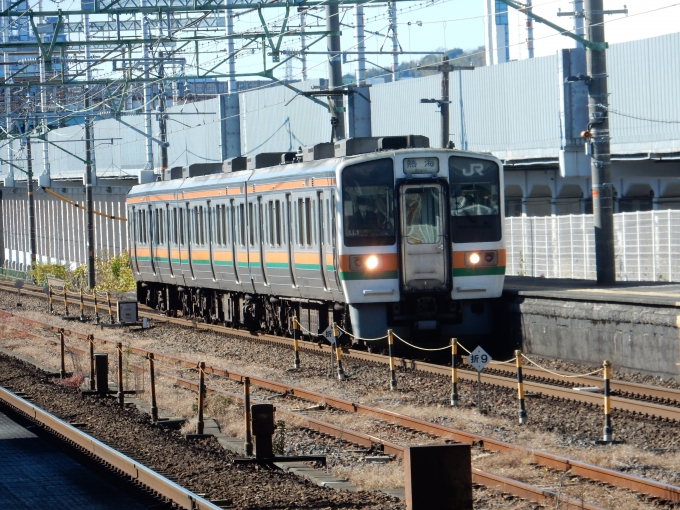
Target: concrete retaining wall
(635,338)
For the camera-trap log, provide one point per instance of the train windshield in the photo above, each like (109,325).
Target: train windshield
(368,203)
(474,195)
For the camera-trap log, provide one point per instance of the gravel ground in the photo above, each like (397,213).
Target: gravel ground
(563,428)
(203,466)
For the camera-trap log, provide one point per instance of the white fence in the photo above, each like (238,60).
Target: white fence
(647,246)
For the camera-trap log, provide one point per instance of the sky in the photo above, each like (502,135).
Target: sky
(437,24)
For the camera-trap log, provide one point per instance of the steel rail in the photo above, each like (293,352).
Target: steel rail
(644,485)
(638,392)
(492,481)
(131,468)
(502,484)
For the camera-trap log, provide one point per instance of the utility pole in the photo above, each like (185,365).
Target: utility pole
(445,102)
(162,117)
(89,206)
(598,128)
(530,30)
(335,72)
(445,68)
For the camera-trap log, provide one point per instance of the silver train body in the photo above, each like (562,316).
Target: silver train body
(408,239)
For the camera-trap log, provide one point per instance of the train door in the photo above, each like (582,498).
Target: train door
(169,234)
(211,238)
(233,227)
(189,232)
(324,260)
(133,235)
(153,239)
(424,245)
(243,240)
(291,238)
(260,238)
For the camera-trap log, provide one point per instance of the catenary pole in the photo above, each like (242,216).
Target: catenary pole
(89,209)
(335,71)
(598,125)
(162,117)
(361,44)
(31,202)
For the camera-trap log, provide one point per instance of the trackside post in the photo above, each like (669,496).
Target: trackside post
(393,374)
(90,341)
(152,377)
(607,437)
(201,391)
(82,307)
(296,345)
(520,389)
(62,348)
(454,372)
(246,403)
(121,394)
(338,353)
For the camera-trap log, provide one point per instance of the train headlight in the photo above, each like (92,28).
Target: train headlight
(372,262)
(481,258)
(364,262)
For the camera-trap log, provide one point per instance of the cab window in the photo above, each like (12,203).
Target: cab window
(368,203)
(474,200)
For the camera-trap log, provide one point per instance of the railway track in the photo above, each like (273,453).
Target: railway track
(637,399)
(651,488)
(115,461)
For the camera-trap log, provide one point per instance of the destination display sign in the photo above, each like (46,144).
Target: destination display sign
(421,165)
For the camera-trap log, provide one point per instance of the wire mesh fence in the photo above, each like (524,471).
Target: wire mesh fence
(647,246)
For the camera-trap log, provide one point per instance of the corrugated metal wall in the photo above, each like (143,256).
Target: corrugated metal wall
(644,86)
(268,125)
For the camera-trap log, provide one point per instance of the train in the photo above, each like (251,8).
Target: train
(368,233)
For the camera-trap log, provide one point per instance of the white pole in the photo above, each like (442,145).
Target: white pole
(639,258)
(147,90)
(654,237)
(303,43)
(229,18)
(361,45)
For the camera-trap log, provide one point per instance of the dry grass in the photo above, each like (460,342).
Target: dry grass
(373,476)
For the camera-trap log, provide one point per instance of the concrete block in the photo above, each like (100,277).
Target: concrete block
(438,477)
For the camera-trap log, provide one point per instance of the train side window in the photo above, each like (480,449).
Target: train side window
(332,229)
(251,224)
(223,222)
(277,223)
(242,223)
(301,222)
(311,218)
(181,226)
(201,225)
(174,226)
(161,214)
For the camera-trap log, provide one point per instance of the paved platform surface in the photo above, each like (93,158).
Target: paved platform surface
(35,474)
(635,293)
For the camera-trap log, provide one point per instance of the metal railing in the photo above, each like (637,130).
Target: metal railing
(647,246)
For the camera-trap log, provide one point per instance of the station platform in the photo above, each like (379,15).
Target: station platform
(36,474)
(635,325)
(638,293)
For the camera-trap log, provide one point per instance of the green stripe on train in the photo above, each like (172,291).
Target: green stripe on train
(316,267)
(379,275)
(478,271)
(277,265)
(228,263)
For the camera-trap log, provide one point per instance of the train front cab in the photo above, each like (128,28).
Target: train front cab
(429,259)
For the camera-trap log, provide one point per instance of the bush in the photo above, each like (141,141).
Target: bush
(41,271)
(112,273)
